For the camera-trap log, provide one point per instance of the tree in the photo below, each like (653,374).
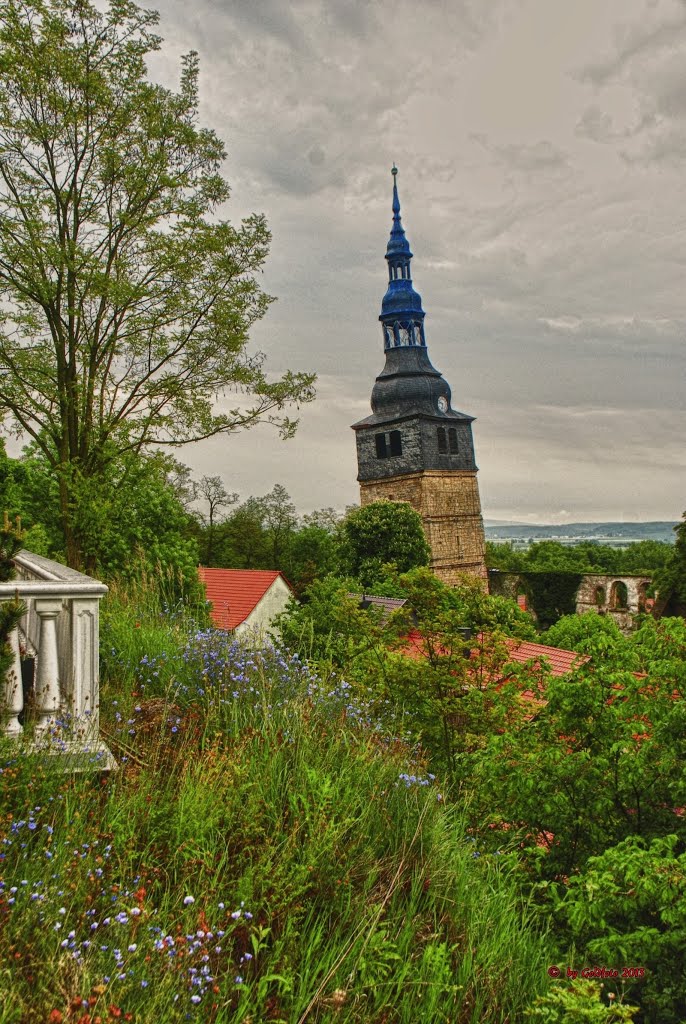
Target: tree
(629,907)
(330,628)
(670,582)
(280,521)
(11,541)
(312,554)
(126,303)
(578,632)
(597,758)
(241,540)
(217,497)
(382,533)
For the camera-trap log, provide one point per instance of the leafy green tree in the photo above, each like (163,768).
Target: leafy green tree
(380,534)
(280,520)
(132,520)
(241,541)
(578,632)
(670,581)
(596,758)
(11,612)
(312,553)
(629,908)
(444,668)
(504,557)
(26,492)
(646,556)
(211,490)
(126,302)
(330,628)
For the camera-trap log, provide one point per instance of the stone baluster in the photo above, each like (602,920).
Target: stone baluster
(47,669)
(14,694)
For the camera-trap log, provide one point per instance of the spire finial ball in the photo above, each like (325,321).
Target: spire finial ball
(394,170)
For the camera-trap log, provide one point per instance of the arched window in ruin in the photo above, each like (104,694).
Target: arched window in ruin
(599,596)
(619,595)
(642,597)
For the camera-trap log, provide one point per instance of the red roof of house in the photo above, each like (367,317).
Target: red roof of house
(235,593)
(561,662)
(523,651)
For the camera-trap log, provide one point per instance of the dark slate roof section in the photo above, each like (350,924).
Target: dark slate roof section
(388,604)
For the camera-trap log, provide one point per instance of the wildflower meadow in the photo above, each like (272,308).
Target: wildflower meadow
(271,848)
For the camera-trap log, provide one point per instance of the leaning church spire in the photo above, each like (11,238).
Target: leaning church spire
(415,447)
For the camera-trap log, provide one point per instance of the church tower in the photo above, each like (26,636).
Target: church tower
(415,447)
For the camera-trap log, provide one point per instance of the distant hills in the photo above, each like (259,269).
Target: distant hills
(574,532)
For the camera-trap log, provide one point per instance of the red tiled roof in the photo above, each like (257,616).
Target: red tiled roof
(523,651)
(235,593)
(561,662)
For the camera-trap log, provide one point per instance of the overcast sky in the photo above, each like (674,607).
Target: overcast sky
(541,147)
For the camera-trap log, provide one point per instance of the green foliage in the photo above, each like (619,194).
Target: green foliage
(265,533)
(26,492)
(578,632)
(670,581)
(428,598)
(379,534)
(130,518)
(133,519)
(580,1002)
(446,693)
(256,802)
(551,594)
(11,541)
(328,627)
(643,557)
(660,647)
(599,760)
(126,301)
(312,553)
(629,907)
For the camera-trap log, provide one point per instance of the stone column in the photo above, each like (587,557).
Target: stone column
(47,684)
(14,694)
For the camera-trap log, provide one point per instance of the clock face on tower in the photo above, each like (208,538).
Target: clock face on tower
(442,404)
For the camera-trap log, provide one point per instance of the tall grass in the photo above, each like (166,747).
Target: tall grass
(268,851)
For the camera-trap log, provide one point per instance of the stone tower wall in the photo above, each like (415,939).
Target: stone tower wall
(449,505)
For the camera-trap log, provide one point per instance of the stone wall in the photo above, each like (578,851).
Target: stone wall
(621,597)
(449,505)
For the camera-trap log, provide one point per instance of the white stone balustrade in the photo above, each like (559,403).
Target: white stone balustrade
(61,630)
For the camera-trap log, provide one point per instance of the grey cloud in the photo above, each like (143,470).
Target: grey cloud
(527,157)
(282,22)
(598,125)
(551,270)
(635,40)
(668,147)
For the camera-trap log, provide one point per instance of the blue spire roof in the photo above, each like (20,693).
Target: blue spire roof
(401,302)
(397,243)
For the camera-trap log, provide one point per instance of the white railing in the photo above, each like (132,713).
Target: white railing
(60,630)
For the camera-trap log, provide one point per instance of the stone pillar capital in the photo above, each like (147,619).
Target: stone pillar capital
(48,607)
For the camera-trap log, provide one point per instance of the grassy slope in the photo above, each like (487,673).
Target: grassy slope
(259,857)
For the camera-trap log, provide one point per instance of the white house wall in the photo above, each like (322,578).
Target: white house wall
(272,603)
